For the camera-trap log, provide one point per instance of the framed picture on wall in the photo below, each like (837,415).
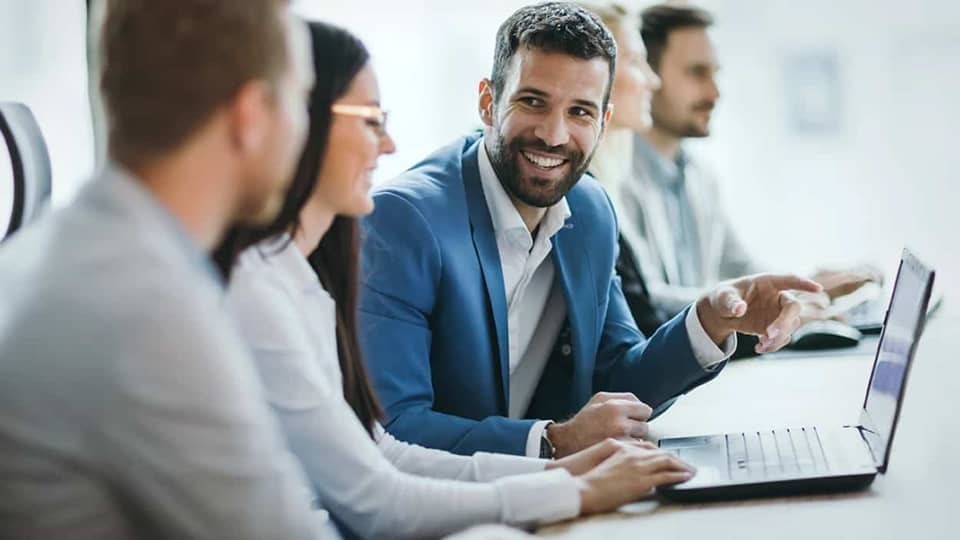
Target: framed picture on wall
(813,93)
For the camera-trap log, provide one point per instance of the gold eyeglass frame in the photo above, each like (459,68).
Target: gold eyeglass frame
(368,112)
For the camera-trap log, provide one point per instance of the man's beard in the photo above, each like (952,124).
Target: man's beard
(695,129)
(683,127)
(535,191)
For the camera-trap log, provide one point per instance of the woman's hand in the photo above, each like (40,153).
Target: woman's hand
(615,472)
(628,474)
(585,460)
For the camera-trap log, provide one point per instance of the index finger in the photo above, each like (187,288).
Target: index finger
(786,282)
(603,397)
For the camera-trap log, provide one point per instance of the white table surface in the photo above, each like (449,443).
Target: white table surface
(918,498)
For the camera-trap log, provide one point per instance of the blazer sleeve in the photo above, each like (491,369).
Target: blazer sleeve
(402,267)
(656,370)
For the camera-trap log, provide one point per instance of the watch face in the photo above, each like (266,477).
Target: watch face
(546,449)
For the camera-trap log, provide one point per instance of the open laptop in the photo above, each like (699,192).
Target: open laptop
(865,308)
(817,458)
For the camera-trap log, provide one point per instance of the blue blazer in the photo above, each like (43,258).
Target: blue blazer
(433,313)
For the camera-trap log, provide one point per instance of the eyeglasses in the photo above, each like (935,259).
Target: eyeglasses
(374,116)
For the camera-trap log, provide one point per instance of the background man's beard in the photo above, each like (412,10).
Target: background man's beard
(694,131)
(682,127)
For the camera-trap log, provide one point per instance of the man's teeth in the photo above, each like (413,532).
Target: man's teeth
(544,162)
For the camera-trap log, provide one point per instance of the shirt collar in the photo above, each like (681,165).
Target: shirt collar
(664,171)
(504,214)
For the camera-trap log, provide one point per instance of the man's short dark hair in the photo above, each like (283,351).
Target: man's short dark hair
(560,27)
(656,23)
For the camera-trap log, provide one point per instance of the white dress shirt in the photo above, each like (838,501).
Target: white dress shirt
(536,307)
(129,405)
(378,489)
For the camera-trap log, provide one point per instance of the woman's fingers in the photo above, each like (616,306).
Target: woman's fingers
(670,477)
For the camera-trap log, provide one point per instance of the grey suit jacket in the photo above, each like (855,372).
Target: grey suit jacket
(128,406)
(646,228)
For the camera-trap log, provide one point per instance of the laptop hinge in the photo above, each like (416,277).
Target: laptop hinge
(873,441)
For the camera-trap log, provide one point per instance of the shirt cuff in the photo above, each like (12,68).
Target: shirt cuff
(533,438)
(490,467)
(524,503)
(708,355)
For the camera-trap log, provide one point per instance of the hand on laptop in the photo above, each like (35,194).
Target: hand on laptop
(606,415)
(630,472)
(584,461)
(764,305)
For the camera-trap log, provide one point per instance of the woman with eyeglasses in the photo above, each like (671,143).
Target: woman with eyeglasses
(293,290)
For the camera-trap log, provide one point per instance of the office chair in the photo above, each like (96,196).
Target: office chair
(30,164)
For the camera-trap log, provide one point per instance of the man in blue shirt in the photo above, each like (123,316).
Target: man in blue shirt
(490,309)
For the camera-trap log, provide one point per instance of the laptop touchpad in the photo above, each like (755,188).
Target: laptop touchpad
(707,454)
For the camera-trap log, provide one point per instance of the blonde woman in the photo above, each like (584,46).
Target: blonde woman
(634,84)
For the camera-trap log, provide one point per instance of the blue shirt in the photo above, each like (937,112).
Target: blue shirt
(669,178)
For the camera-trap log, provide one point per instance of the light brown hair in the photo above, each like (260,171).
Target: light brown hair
(168,65)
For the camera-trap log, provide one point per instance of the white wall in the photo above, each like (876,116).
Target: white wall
(43,64)
(429,56)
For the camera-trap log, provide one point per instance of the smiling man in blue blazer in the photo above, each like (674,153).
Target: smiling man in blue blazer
(490,313)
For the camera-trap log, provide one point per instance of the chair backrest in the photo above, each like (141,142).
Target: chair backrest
(29,162)
(7,191)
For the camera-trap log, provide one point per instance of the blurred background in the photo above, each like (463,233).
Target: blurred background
(832,139)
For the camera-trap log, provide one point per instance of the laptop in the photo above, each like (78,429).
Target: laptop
(862,309)
(817,459)
(867,316)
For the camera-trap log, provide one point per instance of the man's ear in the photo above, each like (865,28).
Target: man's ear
(248,116)
(485,104)
(607,115)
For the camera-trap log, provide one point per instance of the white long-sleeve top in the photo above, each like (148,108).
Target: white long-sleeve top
(379,489)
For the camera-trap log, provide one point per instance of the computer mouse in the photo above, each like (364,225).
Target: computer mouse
(826,334)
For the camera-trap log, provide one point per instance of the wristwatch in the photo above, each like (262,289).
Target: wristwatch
(547,450)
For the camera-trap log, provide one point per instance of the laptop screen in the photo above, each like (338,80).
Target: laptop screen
(901,330)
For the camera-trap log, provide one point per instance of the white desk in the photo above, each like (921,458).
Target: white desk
(918,498)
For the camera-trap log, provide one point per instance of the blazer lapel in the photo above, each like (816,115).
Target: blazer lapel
(485,244)
(703,213)
(572,264)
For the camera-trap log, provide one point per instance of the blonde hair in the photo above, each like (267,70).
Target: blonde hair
(613,159)
(612,15)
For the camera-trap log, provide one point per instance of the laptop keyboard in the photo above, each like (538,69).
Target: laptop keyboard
(766,454)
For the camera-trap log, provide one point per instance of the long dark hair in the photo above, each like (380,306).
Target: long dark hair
(338,57)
